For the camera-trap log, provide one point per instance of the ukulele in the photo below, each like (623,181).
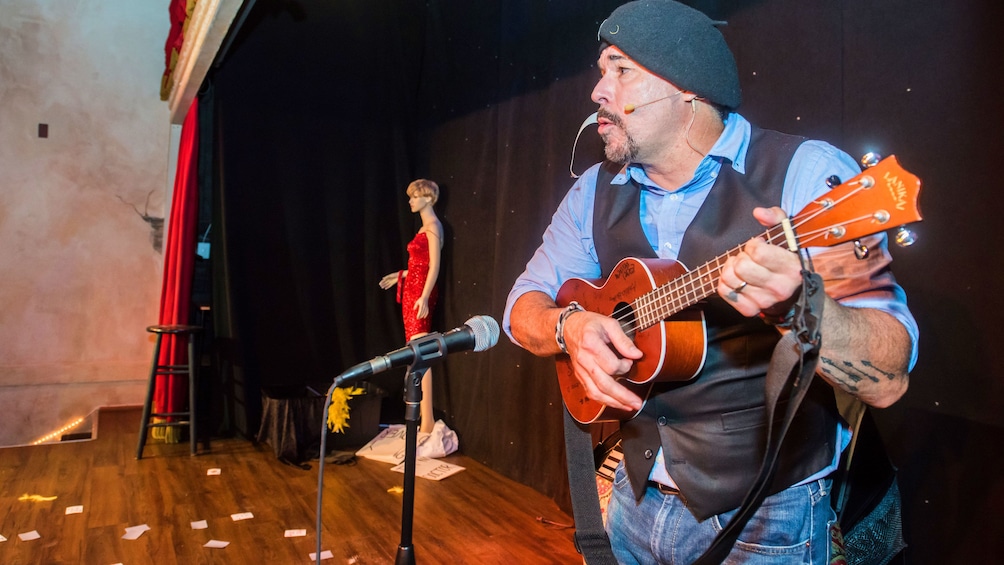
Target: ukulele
(652,298)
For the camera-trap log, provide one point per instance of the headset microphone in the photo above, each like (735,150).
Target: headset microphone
(630,108)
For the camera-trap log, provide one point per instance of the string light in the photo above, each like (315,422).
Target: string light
(58,432)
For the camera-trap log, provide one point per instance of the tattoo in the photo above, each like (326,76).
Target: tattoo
(848,368)
(887,374)
(847,385)
(849,375)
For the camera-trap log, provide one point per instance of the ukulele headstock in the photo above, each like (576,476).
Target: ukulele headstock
(882,196)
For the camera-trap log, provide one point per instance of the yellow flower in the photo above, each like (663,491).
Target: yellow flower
(338,411)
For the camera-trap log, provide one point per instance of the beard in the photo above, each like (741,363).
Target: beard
(619,150)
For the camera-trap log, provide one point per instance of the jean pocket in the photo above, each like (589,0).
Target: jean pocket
(782,525)
(621,477)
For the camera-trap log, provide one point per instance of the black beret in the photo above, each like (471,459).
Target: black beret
(678,43)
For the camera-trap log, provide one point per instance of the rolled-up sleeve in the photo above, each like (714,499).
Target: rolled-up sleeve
(856,283)
(566,249)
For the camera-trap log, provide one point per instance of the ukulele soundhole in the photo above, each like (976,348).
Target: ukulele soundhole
(624,314)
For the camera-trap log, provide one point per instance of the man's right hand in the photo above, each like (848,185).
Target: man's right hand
(600,351)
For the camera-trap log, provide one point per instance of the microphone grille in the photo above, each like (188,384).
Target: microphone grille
(486,332)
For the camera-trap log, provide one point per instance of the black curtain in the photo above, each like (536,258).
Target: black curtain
(326,110)
(314,105)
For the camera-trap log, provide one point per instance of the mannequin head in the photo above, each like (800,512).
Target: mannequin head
(426,188)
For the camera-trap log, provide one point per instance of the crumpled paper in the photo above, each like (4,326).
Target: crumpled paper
(389,445)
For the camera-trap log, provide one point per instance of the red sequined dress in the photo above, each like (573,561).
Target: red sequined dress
(409,288)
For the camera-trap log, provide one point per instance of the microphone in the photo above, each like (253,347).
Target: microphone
(630,108)
(477,334)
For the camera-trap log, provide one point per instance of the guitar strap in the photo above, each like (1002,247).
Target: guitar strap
(792,366)
(590,538)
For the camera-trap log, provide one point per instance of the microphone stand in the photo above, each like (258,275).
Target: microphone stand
(412,415)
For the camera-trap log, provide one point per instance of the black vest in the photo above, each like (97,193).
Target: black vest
(712,428)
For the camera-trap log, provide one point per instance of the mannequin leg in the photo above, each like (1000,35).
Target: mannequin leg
(428,420)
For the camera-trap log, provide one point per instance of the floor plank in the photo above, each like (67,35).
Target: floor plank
(476,516)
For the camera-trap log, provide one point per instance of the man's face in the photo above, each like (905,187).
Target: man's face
(631,136)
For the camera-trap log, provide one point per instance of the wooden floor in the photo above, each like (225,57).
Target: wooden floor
(476,516)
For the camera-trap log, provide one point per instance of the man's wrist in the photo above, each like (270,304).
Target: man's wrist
(559,328)
(782,313)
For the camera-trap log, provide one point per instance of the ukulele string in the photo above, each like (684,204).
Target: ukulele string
(652,308)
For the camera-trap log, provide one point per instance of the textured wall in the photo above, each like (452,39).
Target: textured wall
(80,274)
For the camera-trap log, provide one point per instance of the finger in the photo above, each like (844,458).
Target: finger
(769,216)
(626,347)
(606,390)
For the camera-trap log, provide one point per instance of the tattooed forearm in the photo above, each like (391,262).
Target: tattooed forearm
(873,370)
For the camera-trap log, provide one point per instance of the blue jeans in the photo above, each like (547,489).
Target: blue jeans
(792,527)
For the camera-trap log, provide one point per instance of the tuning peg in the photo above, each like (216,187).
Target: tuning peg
(869,160)
(833,181)
(905,237)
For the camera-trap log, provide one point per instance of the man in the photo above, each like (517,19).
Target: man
(698,179)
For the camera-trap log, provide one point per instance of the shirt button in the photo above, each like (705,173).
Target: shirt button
(667,245)
(648,454)
(662,420)
(674,197)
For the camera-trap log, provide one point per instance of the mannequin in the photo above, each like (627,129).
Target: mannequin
(417,291)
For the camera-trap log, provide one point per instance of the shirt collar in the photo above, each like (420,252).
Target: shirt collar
(734,142)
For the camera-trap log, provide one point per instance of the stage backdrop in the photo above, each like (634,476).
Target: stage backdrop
(325,111)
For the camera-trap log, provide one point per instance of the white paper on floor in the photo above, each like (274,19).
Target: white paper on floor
(133,532)
(431,469)
(216,544)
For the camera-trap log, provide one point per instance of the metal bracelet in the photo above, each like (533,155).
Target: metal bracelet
(559,328)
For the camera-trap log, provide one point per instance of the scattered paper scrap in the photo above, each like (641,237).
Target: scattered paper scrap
(2,539)
(28,536)
(295,533)
(431,468)
(200,525)
(35,498)
(79,509)
(216,544)
(133,532)
(242,516)
(326,554)
(214,472)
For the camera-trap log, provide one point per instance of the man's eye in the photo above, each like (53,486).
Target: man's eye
(622,70)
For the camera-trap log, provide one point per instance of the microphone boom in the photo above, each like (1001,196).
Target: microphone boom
(477,334)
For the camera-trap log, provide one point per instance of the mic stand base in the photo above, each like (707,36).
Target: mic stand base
(405,556)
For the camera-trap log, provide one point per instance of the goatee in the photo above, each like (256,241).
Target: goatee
(619,151)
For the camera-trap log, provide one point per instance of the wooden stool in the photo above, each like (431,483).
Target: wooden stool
(186,418)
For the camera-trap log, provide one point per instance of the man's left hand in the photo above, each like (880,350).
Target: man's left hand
(761,275)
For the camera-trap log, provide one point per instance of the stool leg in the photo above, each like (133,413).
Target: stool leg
(144,422)
(192,363)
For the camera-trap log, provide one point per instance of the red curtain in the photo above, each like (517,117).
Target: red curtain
(179,260)
(179,11)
